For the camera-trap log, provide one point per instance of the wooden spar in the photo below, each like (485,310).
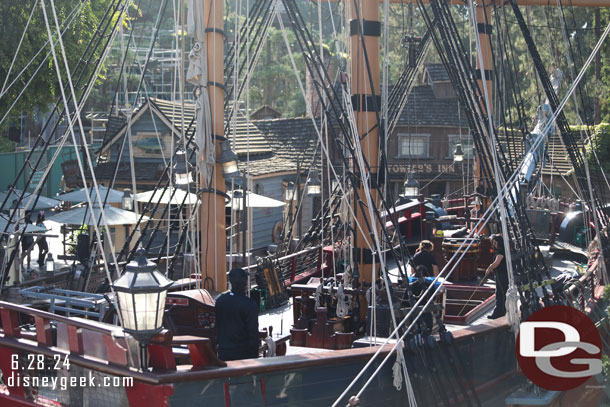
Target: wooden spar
(365,18)
(484,28)
(549,3)
(212,210)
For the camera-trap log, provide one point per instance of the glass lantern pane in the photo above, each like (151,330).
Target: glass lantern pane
(160,309)
(183,179)
(127,310)
(229,167)
(144,304)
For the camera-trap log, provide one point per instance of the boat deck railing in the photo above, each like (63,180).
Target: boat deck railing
(296,266)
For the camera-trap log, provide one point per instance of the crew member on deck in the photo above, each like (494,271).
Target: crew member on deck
(499,266)
(237,320)
(418,288)
(424,257)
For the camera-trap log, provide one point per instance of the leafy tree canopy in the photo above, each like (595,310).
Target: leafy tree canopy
(82,16)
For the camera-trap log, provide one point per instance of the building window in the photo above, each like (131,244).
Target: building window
(467,145)
(413,145)
(258,189)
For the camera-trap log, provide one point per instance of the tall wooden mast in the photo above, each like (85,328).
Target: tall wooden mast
(364,88)
(212,208)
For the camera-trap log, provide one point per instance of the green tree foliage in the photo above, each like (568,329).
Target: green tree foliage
(600,146)
(274,83)
(43,90)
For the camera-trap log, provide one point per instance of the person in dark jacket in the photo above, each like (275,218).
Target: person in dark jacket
(424,257)
(499,266)
(237,320)
(43,246)
(27,242)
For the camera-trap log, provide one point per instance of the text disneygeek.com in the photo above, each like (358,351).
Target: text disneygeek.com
(64,383)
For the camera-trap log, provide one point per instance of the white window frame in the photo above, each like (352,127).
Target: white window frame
(468,153)
(402,136)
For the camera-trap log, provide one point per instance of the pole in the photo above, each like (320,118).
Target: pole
(484,28)
(212,219)
(299,206)
(244,223)
(365,17)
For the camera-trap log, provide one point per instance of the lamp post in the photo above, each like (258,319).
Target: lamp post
(458,154)
(126,201)
(183,170)
(50,264)
(141,292)
(411,186)
(228,159)
(290,194)
(314,186)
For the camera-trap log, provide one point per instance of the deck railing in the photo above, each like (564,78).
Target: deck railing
(296,265)
(39,344)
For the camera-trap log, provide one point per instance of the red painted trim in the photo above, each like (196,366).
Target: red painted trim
(6,356)
(227,395)
(148,395)
(43,331)
(161,357)
(10,322)
(10,401)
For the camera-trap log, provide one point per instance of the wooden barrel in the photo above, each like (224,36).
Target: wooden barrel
(466,269)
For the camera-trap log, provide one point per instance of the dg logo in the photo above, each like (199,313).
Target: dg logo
(558,348)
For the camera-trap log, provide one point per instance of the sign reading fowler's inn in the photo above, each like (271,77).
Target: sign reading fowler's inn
(428,168)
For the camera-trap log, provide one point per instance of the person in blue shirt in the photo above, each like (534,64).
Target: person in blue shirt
(237,320)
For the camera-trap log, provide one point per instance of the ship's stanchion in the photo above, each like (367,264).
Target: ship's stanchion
(10,374)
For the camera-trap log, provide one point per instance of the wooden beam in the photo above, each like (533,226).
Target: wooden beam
(212,210)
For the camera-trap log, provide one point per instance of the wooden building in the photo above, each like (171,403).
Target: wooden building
(268,152)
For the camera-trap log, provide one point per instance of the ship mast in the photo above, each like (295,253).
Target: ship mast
(212,208)
(364,87)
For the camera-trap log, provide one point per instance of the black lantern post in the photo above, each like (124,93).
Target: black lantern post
(228,159)
(458,154)
(411,186)
(314,186)
(141,292)
(183,170)
(126,201)
(290,194)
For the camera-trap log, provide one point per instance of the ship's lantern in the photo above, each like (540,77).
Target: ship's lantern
(126,201)
(237,203)
(290,194)
(183,170)
(50,264)
(314,186)
(228,159)
(458,154)
(411,186)
(141,292)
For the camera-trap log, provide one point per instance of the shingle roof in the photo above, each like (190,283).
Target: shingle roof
(291,140)
(423,108)
(437,72)
(248,138)
(113,126)
(173,111)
